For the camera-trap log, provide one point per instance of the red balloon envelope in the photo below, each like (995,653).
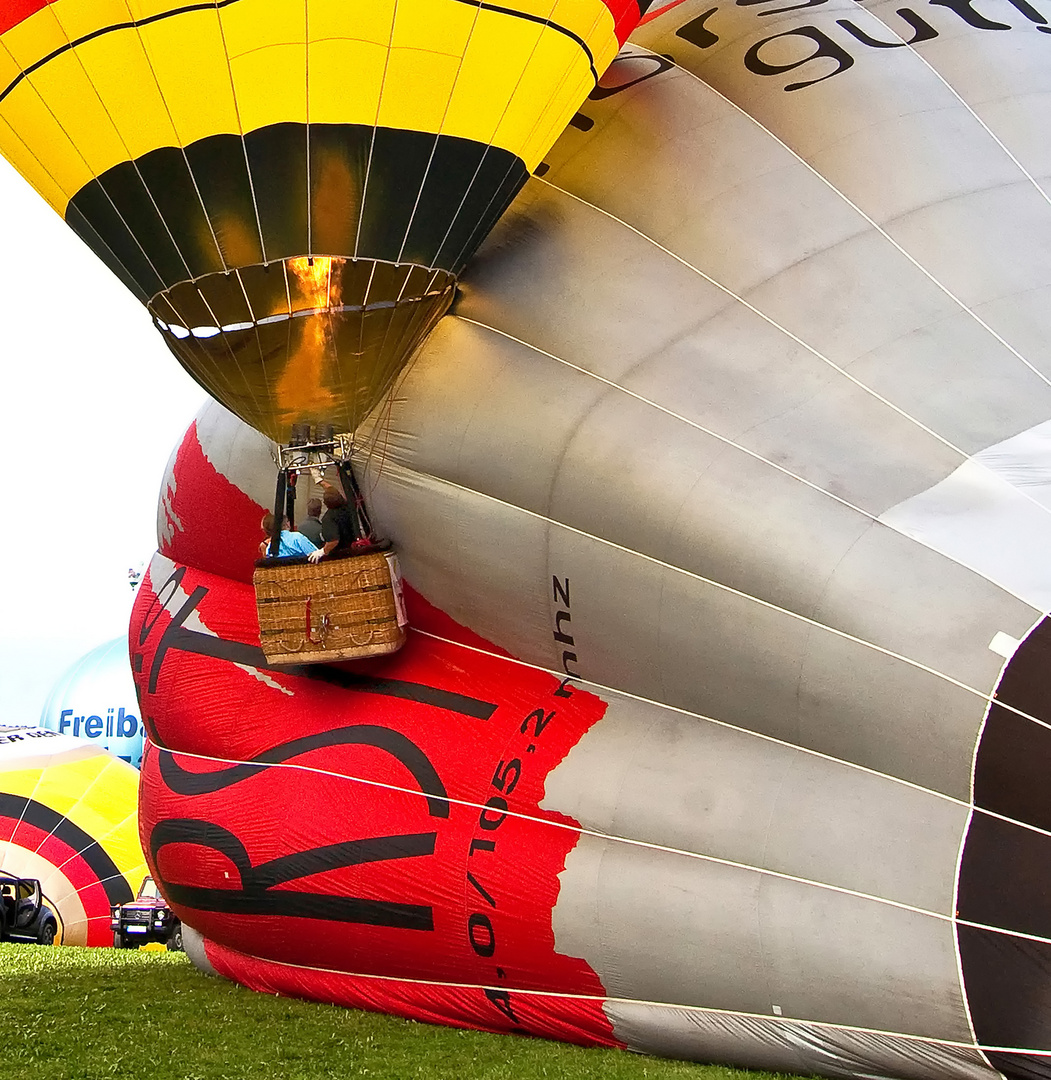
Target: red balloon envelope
(368,834)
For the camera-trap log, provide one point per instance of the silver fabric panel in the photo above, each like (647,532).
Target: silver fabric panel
(828,291)
(662,331)
(661,777)
(193,946)
(662,927)
(1002,530)
(165,523)
(1005,80)
(755,1042)
(657,328)
(726,196)
(485,559)
(952,198)
(719,515)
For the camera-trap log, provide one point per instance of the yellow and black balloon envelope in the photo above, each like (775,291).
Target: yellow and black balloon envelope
(68,819)
(292,188)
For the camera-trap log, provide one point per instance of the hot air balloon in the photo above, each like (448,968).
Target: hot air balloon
(292,190)
(721,500)
(68,833)
(95,700)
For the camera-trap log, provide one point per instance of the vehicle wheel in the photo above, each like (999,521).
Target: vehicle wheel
(47,934)
(175,938)
(118,940)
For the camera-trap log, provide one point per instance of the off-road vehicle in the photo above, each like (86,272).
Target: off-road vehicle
(146,918)
(23,914)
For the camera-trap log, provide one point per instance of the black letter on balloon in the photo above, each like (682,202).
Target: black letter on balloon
(922,31)
(172,633)
(502,1000)
(1032,14)
(494,802)
(486,946)
(696,33)
(479,888)
(778,11)
(826,47)
(662,64)
(966,11)
(260,891)
(148,623)
(560,591)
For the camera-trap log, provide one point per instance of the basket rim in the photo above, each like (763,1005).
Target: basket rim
(304,560)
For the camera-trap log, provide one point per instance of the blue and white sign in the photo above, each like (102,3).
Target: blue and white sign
(95,700)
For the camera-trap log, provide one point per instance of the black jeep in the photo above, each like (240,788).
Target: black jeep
(23,914)
(146,918)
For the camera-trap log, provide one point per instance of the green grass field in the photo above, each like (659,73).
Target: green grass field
(99,1014)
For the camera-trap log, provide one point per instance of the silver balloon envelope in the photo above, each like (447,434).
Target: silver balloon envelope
(742,424)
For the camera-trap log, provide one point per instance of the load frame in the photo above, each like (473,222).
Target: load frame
(348,605)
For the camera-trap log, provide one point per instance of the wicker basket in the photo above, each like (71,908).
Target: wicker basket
(336,609)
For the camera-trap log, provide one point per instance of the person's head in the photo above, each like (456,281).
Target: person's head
(334,498)
(314,508)
(267,524)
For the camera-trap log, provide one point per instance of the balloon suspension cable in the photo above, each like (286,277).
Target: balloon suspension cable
(279,510)
(355,498)
(318,453)
(290,498)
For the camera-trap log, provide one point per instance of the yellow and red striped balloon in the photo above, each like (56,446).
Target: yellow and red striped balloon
(69,819)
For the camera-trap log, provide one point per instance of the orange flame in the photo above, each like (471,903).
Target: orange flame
(301,389)
(315,277)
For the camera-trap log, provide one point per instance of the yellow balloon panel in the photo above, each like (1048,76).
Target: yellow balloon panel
(117,89)
(332,96)
(189,62)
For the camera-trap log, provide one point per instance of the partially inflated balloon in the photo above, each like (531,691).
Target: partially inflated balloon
(293,187)
(459,837)
(68,819)
(748,442)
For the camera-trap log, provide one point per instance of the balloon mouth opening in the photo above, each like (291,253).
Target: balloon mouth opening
(308,339)
(319,286)
(204,332)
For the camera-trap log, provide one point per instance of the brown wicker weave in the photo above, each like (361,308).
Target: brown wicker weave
(337,609)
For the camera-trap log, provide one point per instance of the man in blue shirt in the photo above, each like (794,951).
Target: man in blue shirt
(292,543)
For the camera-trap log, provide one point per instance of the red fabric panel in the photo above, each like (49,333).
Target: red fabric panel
(654,13)
(372,839)
(572,1020)
(212,523)
(487,884)
(625,17)
(15,11)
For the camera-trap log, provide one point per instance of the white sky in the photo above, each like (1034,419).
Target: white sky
(91,405)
